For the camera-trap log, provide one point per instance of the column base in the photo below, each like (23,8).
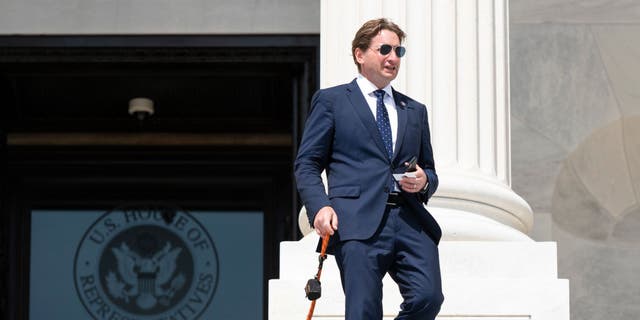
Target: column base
(460,225)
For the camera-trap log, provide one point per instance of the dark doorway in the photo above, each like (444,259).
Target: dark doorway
(228,113)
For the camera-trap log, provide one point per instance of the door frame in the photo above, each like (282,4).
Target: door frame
(244,176)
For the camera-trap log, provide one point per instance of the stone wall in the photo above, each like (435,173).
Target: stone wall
(575,116)
(159,16)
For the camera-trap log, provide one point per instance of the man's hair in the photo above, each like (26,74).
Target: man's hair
(369,30)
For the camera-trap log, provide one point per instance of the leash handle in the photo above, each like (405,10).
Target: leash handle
(321,258)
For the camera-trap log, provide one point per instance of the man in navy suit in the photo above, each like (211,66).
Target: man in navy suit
(362,133)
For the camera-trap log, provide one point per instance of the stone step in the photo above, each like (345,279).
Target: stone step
(465,298)
(477,259)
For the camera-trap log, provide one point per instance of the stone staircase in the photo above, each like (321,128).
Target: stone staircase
(481,280)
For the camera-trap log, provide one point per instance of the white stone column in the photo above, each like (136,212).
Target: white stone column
(457,64)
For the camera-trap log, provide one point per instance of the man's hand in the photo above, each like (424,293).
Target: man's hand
(413,185)
(325,222)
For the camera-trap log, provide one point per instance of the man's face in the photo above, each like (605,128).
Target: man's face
(379,69)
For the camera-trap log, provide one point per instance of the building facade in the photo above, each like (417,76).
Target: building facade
(230,83)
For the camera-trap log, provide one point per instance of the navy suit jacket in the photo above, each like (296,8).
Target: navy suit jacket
(341,137)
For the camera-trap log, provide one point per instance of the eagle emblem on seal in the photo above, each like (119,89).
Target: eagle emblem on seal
(145,281)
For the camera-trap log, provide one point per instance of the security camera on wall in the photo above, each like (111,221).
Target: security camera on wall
(141,108)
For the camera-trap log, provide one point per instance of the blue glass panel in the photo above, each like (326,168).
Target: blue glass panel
(148,263)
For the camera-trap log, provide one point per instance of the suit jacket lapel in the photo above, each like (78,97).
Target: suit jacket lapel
(364,113)
(401,107)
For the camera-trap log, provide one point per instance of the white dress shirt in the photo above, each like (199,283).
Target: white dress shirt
(368,89)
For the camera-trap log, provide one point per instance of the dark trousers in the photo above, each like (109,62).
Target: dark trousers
(401,248)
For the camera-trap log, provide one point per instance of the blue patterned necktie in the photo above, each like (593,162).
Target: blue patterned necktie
(382,119)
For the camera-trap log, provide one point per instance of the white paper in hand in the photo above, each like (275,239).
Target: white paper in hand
(398,176)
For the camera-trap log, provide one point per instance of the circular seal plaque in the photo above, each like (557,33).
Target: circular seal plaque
(146,262)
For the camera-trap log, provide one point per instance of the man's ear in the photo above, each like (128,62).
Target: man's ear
(359,55)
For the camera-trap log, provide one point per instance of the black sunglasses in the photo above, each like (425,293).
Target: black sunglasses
(385,49)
